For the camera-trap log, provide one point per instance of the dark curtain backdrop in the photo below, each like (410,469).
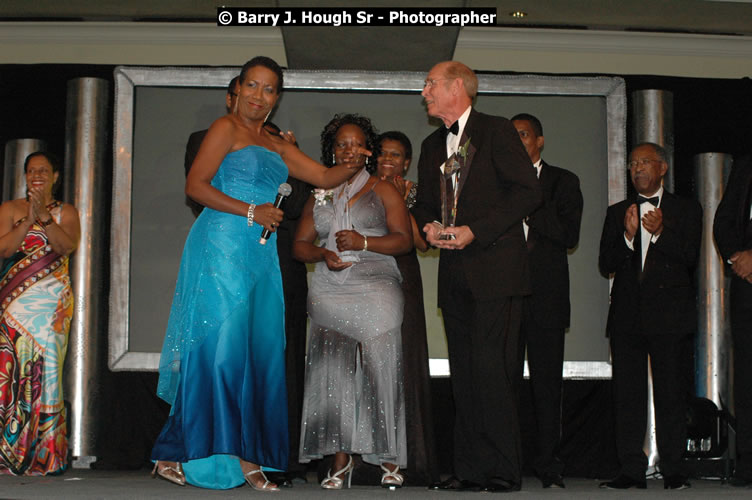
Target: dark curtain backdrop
(709,115)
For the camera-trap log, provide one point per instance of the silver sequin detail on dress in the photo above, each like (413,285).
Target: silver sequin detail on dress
(354,398)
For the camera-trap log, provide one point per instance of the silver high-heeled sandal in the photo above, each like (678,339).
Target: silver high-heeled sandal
(336,482)
(169,473)
(267,486)
(391,478)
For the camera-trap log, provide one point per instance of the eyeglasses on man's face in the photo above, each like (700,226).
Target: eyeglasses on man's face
(643,162)
(431,82)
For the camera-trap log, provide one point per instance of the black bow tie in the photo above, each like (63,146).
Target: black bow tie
(455,128)
(653,201)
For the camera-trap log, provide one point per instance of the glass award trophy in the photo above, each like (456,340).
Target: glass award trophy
(450,181)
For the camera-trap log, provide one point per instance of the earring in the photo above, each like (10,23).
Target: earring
(367,160)
(334,160)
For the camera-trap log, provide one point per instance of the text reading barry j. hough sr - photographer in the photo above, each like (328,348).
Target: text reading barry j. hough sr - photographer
(302,16)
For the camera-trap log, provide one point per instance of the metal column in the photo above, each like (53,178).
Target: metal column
(16,151)
(653,121)
(712,358)
(86,127)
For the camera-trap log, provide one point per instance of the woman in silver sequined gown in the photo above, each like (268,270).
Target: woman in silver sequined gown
(353,401)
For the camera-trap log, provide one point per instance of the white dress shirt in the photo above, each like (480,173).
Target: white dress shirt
(538,165)
(453,141)
(645,237)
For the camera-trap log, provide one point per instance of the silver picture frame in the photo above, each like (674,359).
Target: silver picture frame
(129,78)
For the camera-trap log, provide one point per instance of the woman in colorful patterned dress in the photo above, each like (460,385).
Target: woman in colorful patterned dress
(36,306)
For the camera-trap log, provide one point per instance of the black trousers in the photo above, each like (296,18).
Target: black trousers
(483,343)
(545,360)
(630,374)
(741,332)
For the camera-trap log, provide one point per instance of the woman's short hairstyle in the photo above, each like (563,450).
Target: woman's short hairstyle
(330,132)
(395,135)
(266,62)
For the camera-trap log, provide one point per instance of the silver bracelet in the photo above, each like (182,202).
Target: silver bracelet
(251,208)
(365,243)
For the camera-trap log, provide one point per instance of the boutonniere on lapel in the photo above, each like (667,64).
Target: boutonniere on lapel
(462,151)
(322,196)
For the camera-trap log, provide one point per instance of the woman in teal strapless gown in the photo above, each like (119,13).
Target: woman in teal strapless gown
(222,365)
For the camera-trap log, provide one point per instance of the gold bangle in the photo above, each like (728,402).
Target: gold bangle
(365,243)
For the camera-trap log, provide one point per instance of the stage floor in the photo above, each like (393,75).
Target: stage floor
(84,483)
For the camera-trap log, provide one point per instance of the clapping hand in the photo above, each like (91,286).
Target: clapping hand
(631,221)
(653,222)
(403,185)
(37,208)
(741,264)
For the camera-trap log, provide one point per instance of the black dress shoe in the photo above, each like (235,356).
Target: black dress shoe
(623,482)
(676,483)
(297,477)
(280,479)
(498,485)
(552,480)
(453,483)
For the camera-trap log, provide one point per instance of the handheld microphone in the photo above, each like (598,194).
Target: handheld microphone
(283,192)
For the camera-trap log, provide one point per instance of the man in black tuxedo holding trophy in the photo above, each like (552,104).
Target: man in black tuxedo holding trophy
(476,187)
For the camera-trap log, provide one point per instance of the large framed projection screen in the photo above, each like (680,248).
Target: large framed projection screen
(156,109)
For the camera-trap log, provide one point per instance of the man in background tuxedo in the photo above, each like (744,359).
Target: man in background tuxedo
(732,228)
(550,230)
(195,140)
(650,245)
(483,272)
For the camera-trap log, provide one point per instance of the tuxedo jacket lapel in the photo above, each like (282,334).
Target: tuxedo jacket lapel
(465,169)
(744,210)
(467,134)
(546,180)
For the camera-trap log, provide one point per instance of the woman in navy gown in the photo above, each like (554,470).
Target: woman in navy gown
(222,365)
